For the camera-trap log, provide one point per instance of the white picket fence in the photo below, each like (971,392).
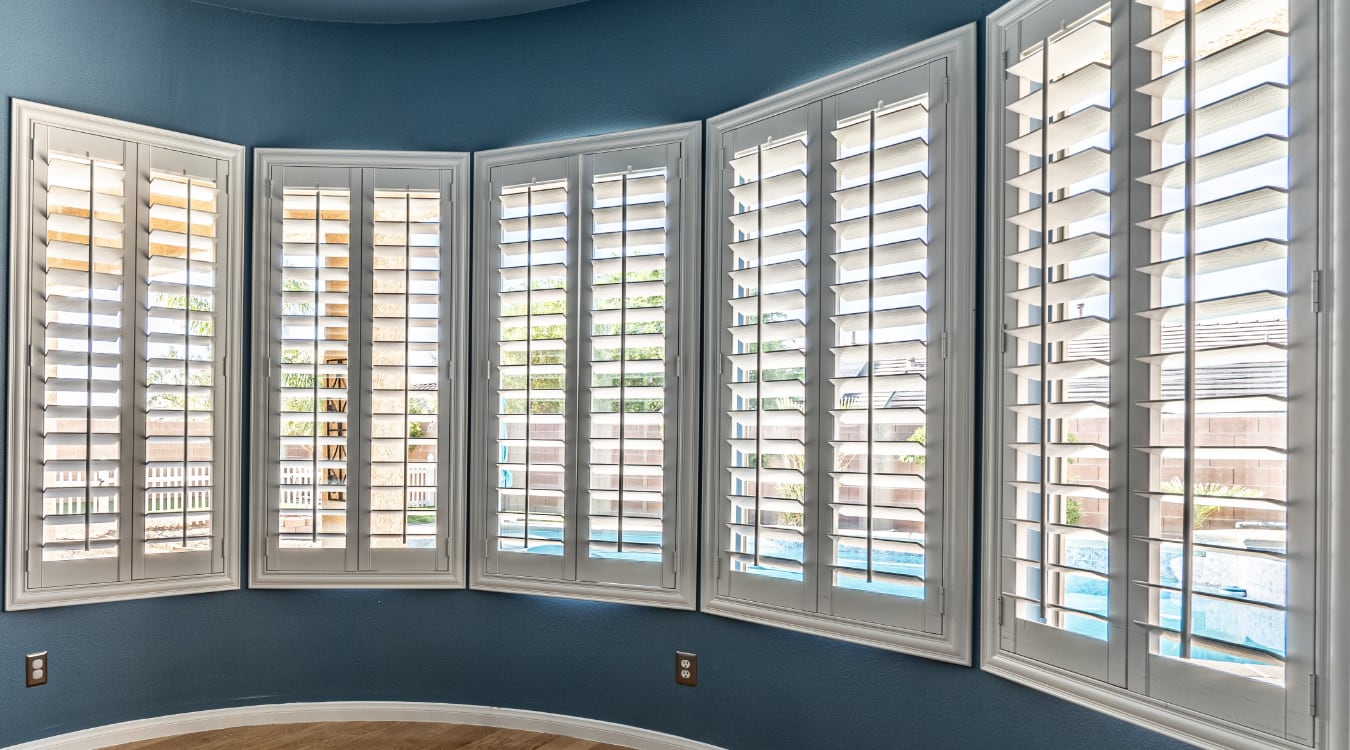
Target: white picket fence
(298,489)
(163,494)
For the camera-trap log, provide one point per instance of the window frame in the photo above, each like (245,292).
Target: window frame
(686,309)
(1329,688)
(953,643)
(454,341)
(27,115)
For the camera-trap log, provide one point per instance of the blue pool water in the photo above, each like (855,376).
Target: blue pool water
(1211,619)
(542,538)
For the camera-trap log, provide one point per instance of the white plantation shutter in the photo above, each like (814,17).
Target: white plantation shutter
(1157,499)
(1227,481)
(358,345)
(630,278)
(1063,261)
(313,395)
(830,316)
(407,359)
(182,356)
(765,333)
(536,247)
(583,249)
(885,361)
(83,246)
(126,274)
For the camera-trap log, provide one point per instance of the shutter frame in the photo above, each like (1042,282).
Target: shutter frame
(28,587)
(1055,675)
(356,565)
(949,643)
(504,168)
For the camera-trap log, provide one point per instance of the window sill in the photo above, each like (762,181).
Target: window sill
(23,599)
(677,598)
(952,647)
(348,580)
(1171,721)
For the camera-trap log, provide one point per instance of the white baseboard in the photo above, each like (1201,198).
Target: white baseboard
(304,713)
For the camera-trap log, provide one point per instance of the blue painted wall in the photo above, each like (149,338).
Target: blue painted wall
(596,67)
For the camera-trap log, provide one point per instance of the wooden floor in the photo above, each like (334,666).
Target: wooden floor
(368,735)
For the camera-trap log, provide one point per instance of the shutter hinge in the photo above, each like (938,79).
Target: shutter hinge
(678,369)
(225,365)
(486,547)
(450,369)
(487,370)
(1317,291)
(269,185)
(1004,343)
(1000,611)
(1006,74)
(717,569)
(32,357)
(677,560)
(945,346)
(942,600)
(724,154)
(1312,695)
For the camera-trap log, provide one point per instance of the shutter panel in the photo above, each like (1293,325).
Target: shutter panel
(770,179)
(85,240)
(1063,337)
(183,399)
(535,232)
(629,269)
(313,241)
(882,303)
(408,343)
(1217,460)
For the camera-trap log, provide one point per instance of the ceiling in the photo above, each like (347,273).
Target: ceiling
(390,11)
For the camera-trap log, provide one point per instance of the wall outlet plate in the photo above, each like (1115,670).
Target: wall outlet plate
(686,668)
(36,669)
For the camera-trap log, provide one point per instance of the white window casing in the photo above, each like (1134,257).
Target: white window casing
(126,266)
(1156,356)
(361,302)
(585,377)
(839,350)
(1335,482)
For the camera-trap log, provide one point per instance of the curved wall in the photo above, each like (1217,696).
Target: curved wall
(597,67)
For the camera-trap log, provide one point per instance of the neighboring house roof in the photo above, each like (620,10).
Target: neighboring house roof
(1238,379)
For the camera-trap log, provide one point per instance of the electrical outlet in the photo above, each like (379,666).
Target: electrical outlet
(686,668)
(36,669)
